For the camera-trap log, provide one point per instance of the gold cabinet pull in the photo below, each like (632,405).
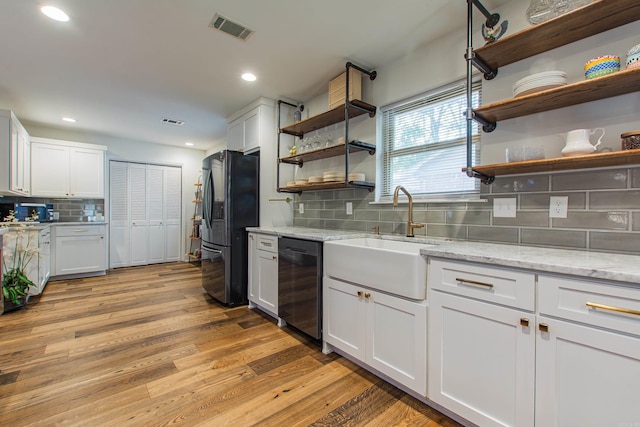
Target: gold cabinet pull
(543,327)
(266,244)
(474,283)
(367,295)
(275,257)
(251,236)
(611,308)
(524,322)
(359,294)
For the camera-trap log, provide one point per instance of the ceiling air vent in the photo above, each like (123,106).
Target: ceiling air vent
(173,122)
(225,25)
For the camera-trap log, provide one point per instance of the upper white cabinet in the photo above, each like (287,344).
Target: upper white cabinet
(250,127)
(15,177)
(67,169)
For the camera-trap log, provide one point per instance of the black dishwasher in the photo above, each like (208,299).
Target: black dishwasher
(300,284)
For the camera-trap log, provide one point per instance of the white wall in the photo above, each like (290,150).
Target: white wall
(144,152)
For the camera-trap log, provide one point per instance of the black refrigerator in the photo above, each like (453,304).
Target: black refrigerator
(229,204)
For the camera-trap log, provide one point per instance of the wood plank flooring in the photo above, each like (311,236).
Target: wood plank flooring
(146,346)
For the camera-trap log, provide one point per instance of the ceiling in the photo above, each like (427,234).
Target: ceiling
(120,66)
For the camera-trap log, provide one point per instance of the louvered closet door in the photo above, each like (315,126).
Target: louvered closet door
(138,213)
(172,212)
(119,214)
(155,213)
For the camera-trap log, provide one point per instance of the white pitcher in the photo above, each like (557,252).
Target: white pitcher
(578,144)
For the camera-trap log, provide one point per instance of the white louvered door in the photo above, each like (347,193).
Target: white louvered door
(172,212)
(145,213)
(119,254)
(155,213)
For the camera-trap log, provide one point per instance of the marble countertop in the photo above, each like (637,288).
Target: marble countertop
(316,234)
(596,265)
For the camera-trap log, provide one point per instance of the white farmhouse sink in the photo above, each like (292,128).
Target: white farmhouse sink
(390,266)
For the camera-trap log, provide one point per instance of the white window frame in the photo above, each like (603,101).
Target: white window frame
(384,190)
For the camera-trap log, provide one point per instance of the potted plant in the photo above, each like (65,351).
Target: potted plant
(17,255)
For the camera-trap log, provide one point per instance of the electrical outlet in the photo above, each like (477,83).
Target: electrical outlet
(504,208)
(301,208)
(349,208)
(558,206)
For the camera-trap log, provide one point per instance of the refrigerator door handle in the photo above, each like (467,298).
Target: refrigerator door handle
(209,196)
(215,251)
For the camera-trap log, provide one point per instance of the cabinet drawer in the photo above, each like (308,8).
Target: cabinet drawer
(500,285)
(267,243)
(596,303)
(79,230)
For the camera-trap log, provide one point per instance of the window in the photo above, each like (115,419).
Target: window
(424,144)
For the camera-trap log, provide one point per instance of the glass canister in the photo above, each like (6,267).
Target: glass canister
(540,11)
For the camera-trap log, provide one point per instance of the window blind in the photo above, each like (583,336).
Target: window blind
(424,143)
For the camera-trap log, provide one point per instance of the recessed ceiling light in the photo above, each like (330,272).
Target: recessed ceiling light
(69,119)
(189,144)
(54,13)
(249,77)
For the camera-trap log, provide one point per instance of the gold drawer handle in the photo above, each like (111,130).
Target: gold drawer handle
(474,283)
(82,231)
(610,308)
(359,294)
(543,327)
(367,295)
(524,322)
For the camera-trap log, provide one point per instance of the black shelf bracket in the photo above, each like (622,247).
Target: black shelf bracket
(474,61)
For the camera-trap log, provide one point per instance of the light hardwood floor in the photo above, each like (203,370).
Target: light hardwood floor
(146,346)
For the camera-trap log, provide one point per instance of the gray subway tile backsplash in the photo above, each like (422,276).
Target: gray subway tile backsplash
(604,212)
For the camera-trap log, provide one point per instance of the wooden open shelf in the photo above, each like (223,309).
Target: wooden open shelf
(327,186)
(597,160)
(594,18)
(324,153)
(615,84)
(328,118)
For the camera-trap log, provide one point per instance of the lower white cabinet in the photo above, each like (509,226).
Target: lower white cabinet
(481,360)
(79,249)
(263,272)
(482,342)
(586,375)
(385,332)
(44,257)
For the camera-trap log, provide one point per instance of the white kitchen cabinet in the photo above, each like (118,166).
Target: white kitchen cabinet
(15,177)
(386,332)
(44,257)
(79,249)
(588,361)
(481,352)
(67,169)
(145,213)
(247,130)
(263,272)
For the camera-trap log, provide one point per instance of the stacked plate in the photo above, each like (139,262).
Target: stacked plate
(315,179)
(301,181)
(332,176)
(539,82)
(356,176)
(291,184)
